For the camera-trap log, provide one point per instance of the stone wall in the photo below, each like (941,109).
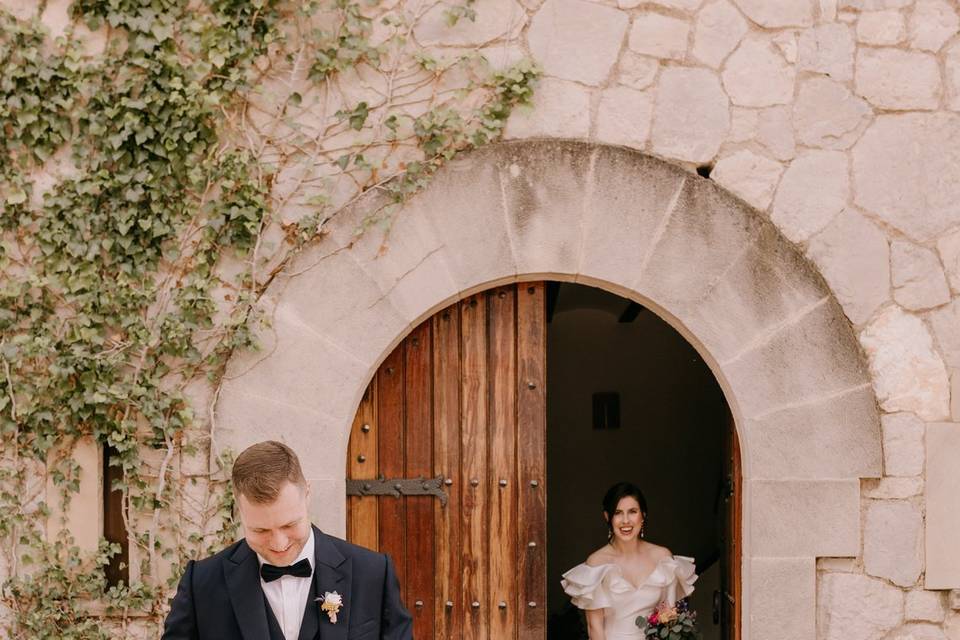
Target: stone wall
(838,121)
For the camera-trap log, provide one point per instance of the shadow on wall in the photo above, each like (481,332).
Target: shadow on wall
(669,442)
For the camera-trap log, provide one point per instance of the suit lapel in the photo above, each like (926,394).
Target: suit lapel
(333,573)
(241,572)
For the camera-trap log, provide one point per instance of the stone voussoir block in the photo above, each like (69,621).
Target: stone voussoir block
(806,518)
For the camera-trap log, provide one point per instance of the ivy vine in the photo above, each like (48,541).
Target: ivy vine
(160,162)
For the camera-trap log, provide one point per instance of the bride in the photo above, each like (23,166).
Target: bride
(628,577)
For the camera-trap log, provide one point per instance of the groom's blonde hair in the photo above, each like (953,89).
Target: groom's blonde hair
(262,469)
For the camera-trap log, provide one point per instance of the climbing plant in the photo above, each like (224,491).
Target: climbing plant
(161,161)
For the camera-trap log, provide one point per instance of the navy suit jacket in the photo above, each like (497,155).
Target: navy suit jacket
(220,597)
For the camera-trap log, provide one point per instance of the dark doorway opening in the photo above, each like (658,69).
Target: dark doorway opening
(672,435)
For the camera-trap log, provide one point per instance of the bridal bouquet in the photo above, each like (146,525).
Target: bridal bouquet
(670,623)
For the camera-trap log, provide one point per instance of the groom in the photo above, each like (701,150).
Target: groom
(286,580)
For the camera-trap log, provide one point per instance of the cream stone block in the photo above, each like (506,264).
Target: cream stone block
(630,196)
(783,598)
(908,375)
(918,631)
(814,189)
(841,432)
(893,541)
(707,223)
(249,414)
(837,565)
(881,28)
(827,49)
(495,19)
(943,516)
(334,298)
(577,40)
(775,132)
(503,55)
(917,277)
(544,189)
(905,170)
(945,323)
(743,124)
(949,249)
(955,395)
(472,228)
(856,607)
(902,445)
(560,109)
(952,625)
(805,518)
(768,284)
(775,369)
(635,71)
(83,517)
(397,248)
(660,36)
(892,488)
(749,175)
(774,14)
(328,496)
(692,116)
(718,30)
(827,115)
(895,79)
(623,116)
(768,290)
(302,368)
(757,75)
(854,257)
(874,5)
(682,5)
(932,23)
(924,606)
(952,75)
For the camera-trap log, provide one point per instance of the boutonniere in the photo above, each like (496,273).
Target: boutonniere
(330,603)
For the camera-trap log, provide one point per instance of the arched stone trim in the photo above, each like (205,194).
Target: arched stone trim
(718,271)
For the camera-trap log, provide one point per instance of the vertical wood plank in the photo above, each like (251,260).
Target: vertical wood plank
(504,547)
(446,416)
(475,496)
(362,527)
(419,464)
(390,418)
(531,458)
(733,533)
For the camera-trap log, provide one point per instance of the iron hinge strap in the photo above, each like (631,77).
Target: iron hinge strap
(397,487)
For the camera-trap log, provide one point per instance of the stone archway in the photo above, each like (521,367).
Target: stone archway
(752,305)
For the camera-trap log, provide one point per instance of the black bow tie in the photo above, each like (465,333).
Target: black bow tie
(301,569)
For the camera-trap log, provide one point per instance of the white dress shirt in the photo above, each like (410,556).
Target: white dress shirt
(288,595)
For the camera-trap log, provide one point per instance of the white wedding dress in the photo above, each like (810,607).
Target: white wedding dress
(604,587)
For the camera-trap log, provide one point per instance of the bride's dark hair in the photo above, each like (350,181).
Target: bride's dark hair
(618,492)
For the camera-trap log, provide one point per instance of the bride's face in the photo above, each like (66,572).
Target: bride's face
(627,519)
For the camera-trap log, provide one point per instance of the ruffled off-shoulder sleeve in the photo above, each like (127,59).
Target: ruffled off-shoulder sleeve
(676,575)
(588,587)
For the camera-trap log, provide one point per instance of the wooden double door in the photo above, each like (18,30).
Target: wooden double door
(446,468)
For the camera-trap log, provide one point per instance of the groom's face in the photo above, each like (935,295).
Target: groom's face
(277,530)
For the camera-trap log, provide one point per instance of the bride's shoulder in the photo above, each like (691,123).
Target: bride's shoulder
(658,552)
(603,555)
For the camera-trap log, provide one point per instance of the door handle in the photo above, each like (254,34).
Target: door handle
(716,607)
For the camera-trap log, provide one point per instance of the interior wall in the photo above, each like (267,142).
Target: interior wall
(673,416)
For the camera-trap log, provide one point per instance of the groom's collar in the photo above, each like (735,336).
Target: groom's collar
(325,552)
